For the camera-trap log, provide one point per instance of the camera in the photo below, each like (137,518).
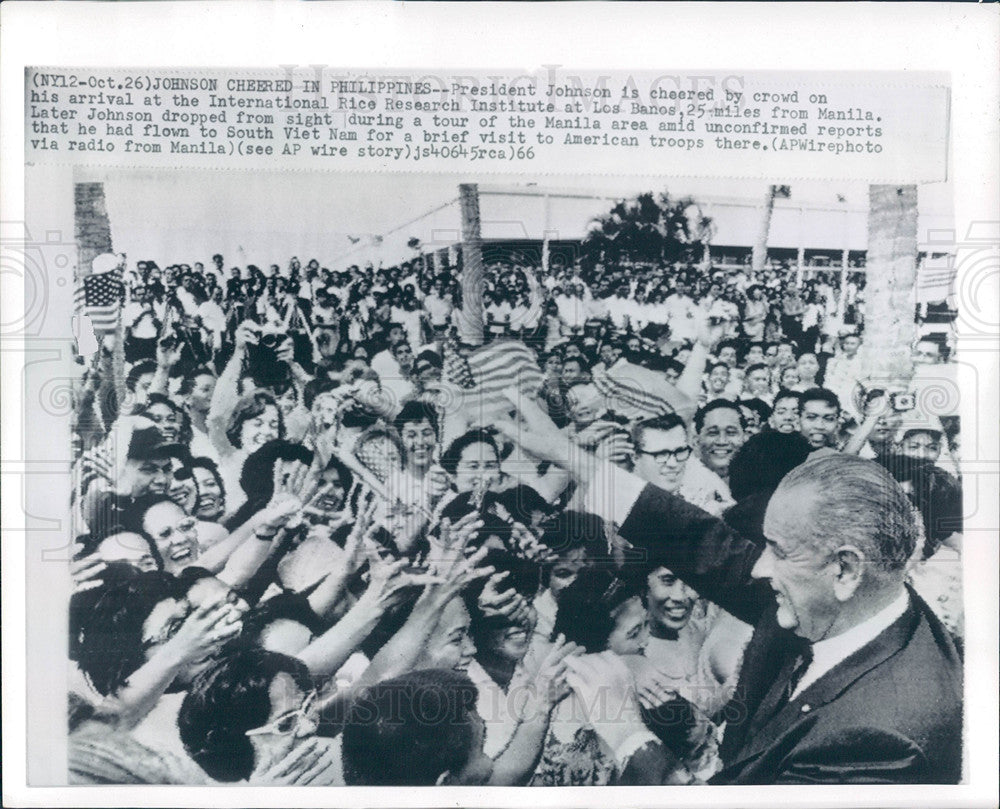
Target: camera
(272,339)
(902,402)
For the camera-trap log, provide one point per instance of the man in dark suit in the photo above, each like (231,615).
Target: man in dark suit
(849,676)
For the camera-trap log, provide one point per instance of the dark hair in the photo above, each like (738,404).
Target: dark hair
(451,456)
(187,383)
(521,501)
(936,494)
(759,406)
(714,365)
(576,529)
(106,623)
(819,395)
(673,365)
(249,407)
(211,466)
(133,519)
(184,431)
(717,404)
(257,477)
(761,463)
(284,606)
(410,730)
(225,702)
(415,411)
(315,388)
(139,369)
(586,607)
(757,366)
(670,421)
(785,393)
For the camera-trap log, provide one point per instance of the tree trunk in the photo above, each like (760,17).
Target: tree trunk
(470,316)
(891,267)
(759,255)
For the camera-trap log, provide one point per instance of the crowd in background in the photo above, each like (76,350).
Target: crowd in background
(310,552)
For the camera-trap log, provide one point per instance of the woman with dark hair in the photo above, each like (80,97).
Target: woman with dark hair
(257,478)
(473,461)
(138,634)
(419,729)
(599,612)
(250,718)
(172,421)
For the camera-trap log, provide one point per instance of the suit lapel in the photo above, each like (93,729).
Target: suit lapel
(771,722)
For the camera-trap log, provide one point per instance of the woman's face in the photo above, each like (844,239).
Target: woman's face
(183,489)
(451,646)
(631,632)
(210,504)
(511,642)
(419,441)
(808,366)
(200,397)
(288,400)
(167,420)
(175,535)
(478,467)
(258,430)
(790,377)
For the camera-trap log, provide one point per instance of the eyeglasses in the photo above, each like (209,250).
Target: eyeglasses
(680,454)
(290,722)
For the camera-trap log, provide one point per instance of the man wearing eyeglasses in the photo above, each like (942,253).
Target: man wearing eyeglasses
(662,451)
(663,457)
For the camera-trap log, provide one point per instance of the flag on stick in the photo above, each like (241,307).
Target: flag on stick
(100,297)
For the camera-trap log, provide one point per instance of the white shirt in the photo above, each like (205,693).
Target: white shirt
(829,652)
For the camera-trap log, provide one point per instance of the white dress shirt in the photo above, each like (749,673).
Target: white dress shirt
(828,652)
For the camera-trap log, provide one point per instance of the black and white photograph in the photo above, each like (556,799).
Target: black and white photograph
(402,423)
(421,481)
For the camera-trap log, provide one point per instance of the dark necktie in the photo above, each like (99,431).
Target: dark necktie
(798,670)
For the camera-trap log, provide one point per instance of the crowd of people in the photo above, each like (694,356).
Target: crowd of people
(314,549)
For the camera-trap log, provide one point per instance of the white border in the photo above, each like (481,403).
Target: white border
(962,39)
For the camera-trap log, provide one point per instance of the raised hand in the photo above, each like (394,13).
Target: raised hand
(308,762)
(204,632)
(537,435)
(167,356)
(247,334)
(508,603)
(526,544)
(86,573)
(550,683)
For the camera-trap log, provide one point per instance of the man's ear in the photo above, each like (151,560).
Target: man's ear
(851,564)
(443,779)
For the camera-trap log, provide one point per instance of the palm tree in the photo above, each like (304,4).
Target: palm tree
(891,272)
(758,258)
(649,229)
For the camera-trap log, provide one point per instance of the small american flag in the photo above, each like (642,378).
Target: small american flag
(456,367)
(100,297)
(487,372)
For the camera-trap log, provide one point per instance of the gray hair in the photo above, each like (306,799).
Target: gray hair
(858,503)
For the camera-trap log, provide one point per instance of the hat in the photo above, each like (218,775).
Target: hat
(147,444)
(426,361)
(917,421)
